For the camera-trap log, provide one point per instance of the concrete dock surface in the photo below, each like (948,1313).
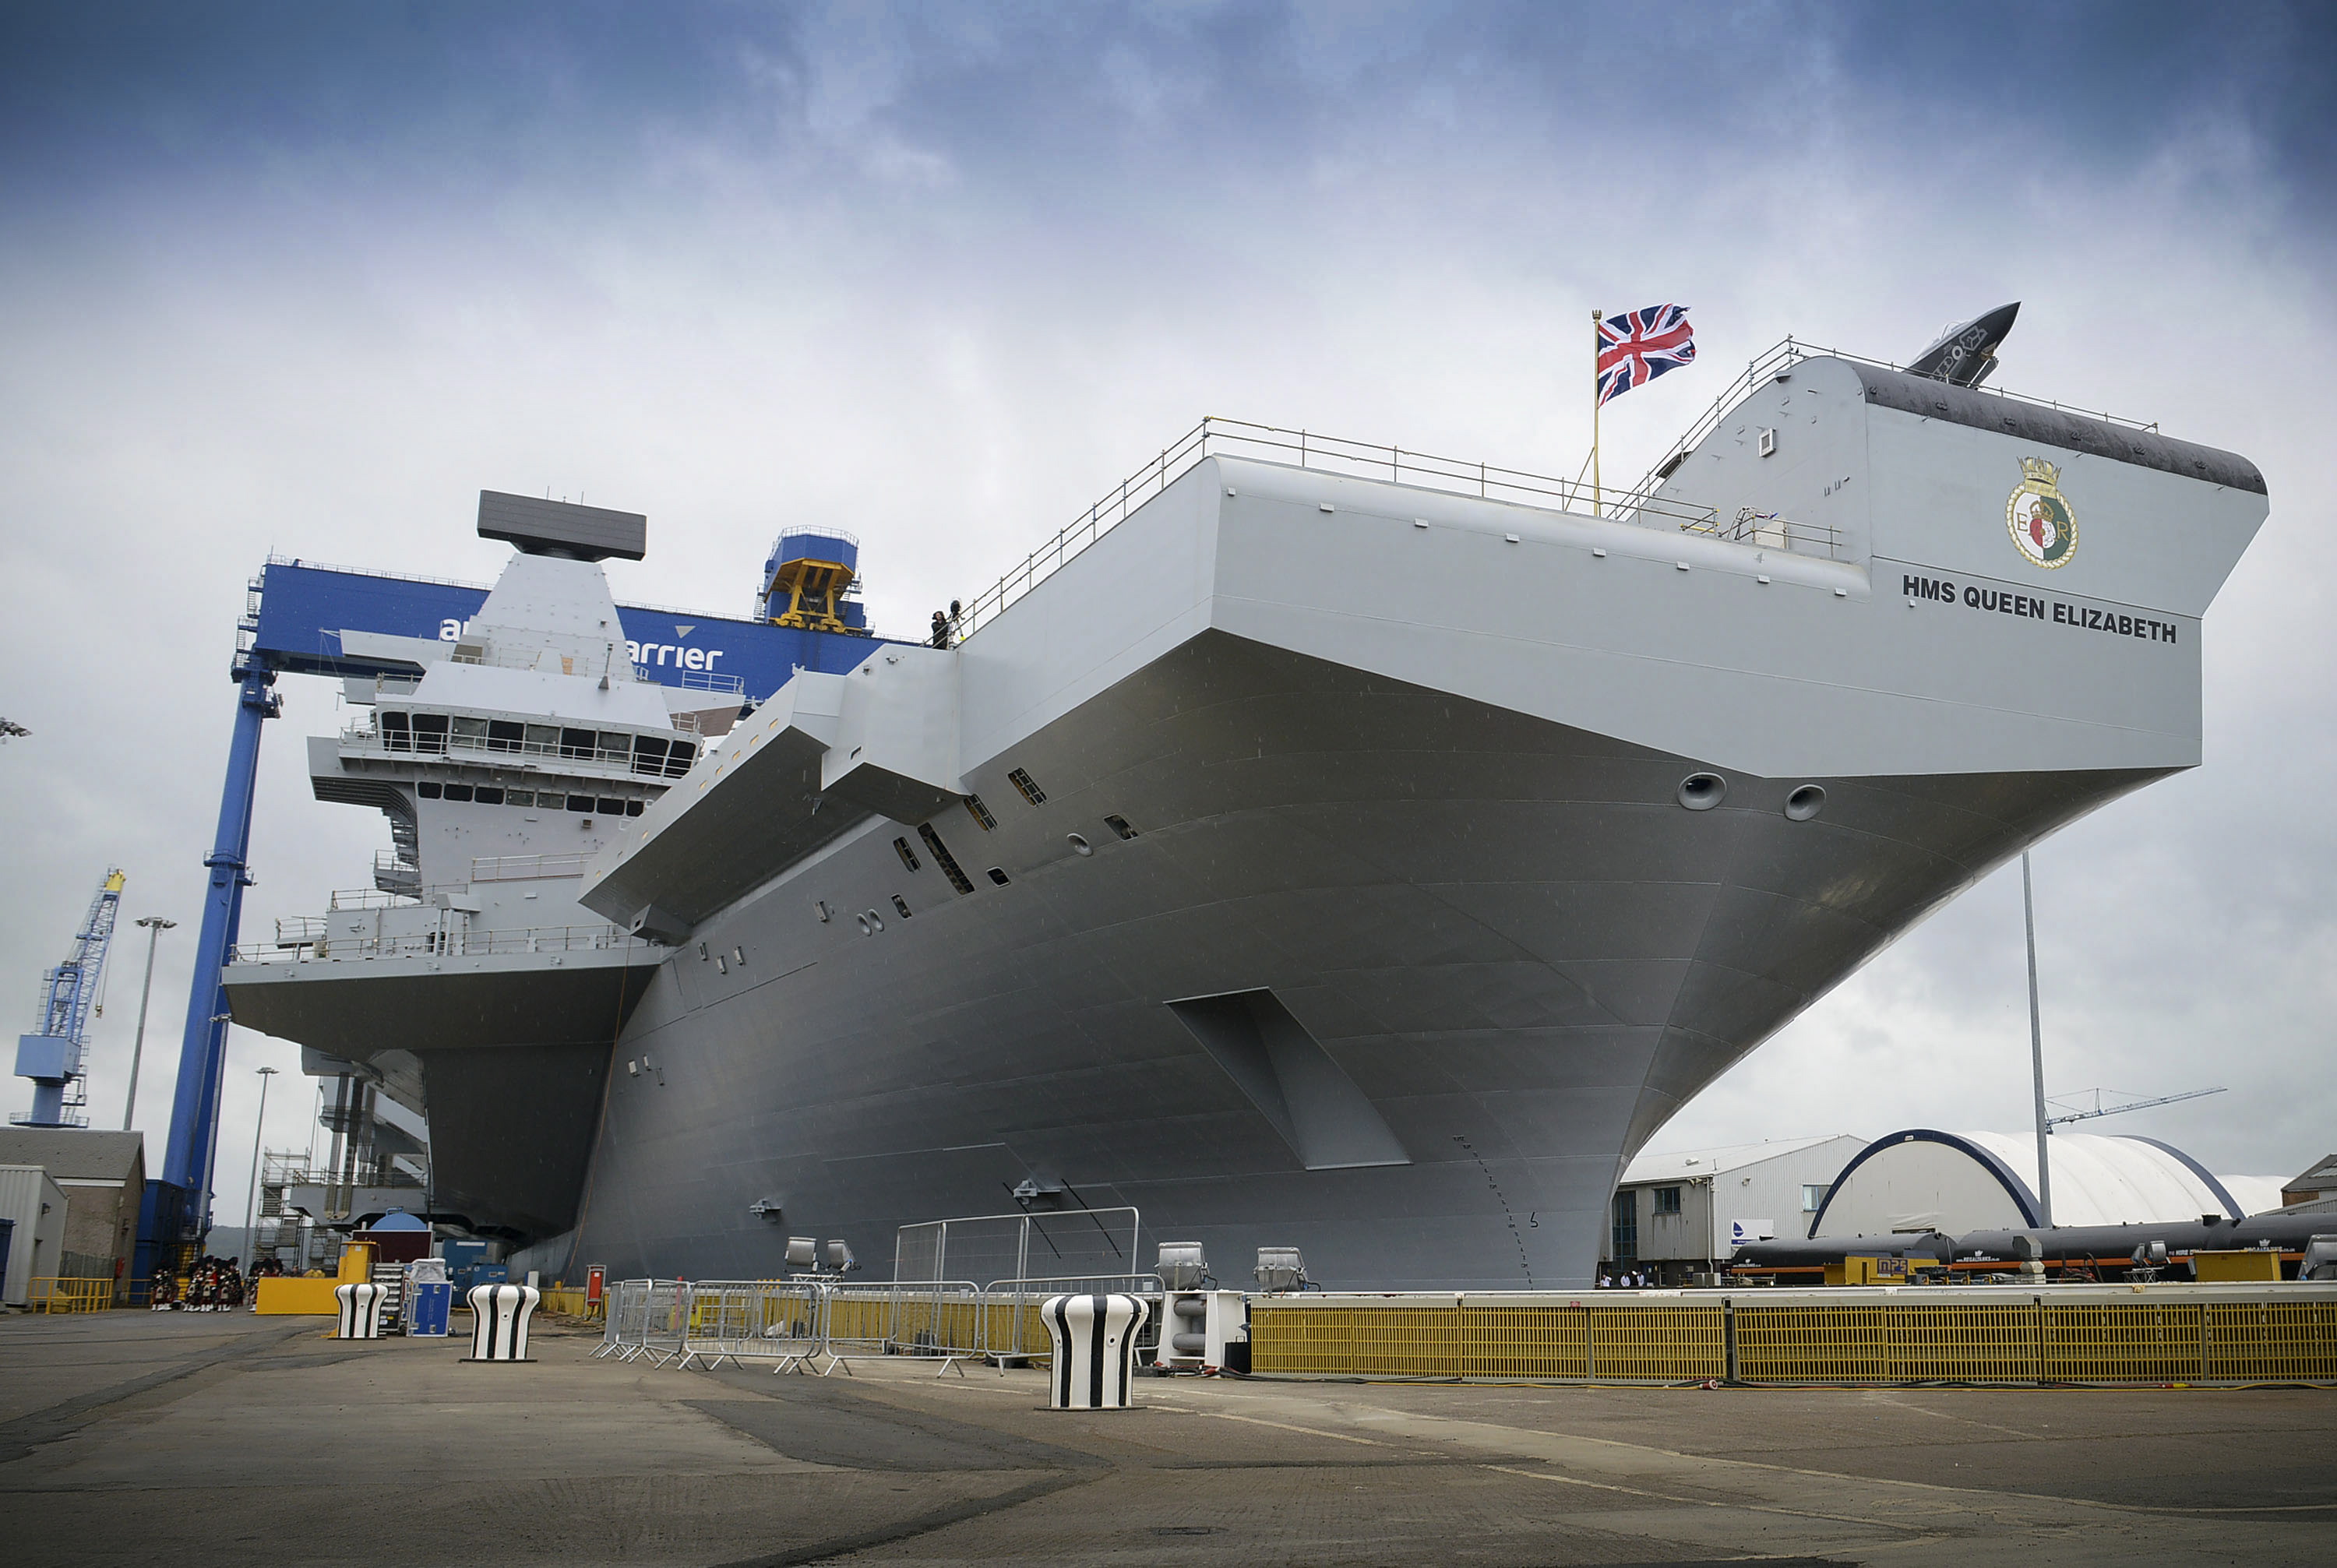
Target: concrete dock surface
(139,1437)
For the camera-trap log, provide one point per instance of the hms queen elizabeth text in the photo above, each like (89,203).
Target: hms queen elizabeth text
(2059,611)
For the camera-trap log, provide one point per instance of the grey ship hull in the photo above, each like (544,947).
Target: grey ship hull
(1505,932)
(1417,940)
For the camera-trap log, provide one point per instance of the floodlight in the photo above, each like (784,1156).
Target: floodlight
(1280,1269)
(1183,1265)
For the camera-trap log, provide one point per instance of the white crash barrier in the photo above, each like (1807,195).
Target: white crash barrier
(361,1304)
(499,1315)
(1095,1349)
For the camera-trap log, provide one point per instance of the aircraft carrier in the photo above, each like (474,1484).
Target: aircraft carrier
(1317,845)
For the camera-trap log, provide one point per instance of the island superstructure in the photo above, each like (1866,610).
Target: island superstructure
(1347,850)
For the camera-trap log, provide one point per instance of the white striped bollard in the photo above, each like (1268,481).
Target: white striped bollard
(361,1304)
(499,1315)
(1095,1349)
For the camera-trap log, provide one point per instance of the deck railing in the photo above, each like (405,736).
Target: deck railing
(1764,368)
(1638,504)
(1312,450)
(452,942)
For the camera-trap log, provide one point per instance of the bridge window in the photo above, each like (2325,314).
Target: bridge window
(458,791)
(519,797)
(427,790)
(580,803)
(505,735)
(487,795)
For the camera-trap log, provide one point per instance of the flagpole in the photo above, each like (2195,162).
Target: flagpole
(1595,318)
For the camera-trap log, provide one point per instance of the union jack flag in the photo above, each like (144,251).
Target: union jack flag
(1635,346)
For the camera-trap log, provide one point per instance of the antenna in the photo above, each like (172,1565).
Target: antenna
(2101,1110)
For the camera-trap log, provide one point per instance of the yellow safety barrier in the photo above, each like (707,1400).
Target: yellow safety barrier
(1486,1338)
(2169,1334)
(572,1304)
(69,1295)
(286,1295)
(865,1317)
(2258,1265)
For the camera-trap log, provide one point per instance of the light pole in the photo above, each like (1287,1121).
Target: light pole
(155,926)
(251,1200)
(2037,1055)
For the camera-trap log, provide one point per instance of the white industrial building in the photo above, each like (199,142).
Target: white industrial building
(37,1241)
(1920,1179)
(1684,1213)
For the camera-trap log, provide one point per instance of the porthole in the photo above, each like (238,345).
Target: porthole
(1805,802)
(1703,791)
(900,906)
(1079,844)
(997,875)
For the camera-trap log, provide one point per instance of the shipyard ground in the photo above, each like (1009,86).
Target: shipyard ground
(199,1439)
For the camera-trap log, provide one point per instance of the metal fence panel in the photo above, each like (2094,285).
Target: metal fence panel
(742,1320)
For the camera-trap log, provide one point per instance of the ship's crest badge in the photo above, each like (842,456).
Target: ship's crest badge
(2043,527)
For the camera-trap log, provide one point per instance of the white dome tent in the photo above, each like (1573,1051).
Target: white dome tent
(1920,1179)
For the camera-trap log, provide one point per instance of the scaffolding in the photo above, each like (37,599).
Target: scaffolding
(282,1231)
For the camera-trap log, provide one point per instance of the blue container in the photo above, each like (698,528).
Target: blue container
(425,1313)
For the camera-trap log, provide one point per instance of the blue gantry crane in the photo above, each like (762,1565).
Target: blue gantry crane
(52,1054)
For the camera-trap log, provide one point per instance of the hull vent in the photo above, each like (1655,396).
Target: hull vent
(1328,1122)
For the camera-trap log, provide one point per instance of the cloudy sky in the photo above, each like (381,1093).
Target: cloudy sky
(301,278)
